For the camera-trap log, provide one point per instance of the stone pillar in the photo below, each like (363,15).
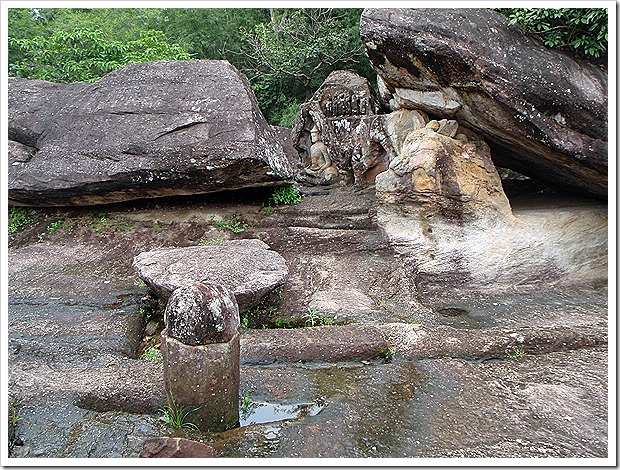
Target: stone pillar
(200,346)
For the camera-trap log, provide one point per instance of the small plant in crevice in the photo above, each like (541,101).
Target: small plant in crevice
(286,195)
(98,221)
(14,418)
(386,353)
(514,353)
(269,210)
(56,225)
(175,415)
(123,226)
(245,319)
(233,223)
(152,354)
(204,241)
(265,314)
(18,219)
(246,405)
(315,318)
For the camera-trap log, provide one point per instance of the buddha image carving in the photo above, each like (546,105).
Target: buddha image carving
(321,166)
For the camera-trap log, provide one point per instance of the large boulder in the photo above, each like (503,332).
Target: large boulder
(147,130)
(543,113)
(444,176)
(248,268)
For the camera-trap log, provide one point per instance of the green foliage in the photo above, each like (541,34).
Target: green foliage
(315,318)
(287,58)
(57,225)
(387,354)
(209,33)
(583,30)
(152,354)
(18,219)
(287,195)
(175,415)
(122,226)
(233,223)
(286,53)
(98,221)
(514,353)
(267,313)
(14,418)
(245,404)
(84,55)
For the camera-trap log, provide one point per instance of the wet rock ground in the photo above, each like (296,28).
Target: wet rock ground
(398,373)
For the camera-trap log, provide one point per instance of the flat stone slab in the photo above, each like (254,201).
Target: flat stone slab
(320,343)
(248,268)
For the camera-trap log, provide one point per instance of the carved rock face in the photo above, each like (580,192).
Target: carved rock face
(147,130)
(202,313)
(446,176)
(543,113)
(339,109)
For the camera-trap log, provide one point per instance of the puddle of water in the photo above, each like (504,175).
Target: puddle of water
(259,413)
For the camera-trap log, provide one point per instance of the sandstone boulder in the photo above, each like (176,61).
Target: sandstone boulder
(453,178)
(248,268)
(146,130)
(543,113)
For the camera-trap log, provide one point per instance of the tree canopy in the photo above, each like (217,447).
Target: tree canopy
(581,30)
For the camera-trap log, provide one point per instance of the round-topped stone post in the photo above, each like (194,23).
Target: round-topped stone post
(200,346)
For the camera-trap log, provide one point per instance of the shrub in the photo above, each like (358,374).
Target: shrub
(287,195)
(583,30)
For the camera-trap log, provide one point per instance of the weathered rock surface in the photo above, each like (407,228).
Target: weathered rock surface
(543,113)
(448,177)
(570,247)
(248,268)
(176,447)
(146,130)
(204,380)
(321,343)
(201,313)
(343,110)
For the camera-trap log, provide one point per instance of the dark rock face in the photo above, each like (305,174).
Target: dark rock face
(202,313)
(146,130)
(176,447)
(248,268)
(543,113)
